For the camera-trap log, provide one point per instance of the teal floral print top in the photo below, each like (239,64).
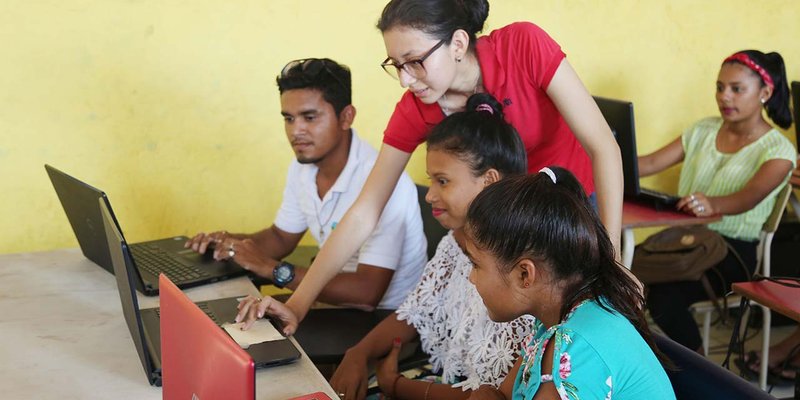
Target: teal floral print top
(597,355)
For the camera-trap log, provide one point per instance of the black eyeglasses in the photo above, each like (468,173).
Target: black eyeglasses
(311,67)
(415,68)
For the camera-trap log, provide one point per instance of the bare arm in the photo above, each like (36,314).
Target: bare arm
(362,289)
(590,128)
(353,230)
(771,174)
(275,242)
(662,158)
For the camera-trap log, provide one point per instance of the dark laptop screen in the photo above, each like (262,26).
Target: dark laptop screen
(619,116)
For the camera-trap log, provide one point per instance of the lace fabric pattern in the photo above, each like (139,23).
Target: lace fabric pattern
(454,326)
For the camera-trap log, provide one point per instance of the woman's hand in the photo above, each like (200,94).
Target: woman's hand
(696,204)
(253,308)
(386,370)
(350,380)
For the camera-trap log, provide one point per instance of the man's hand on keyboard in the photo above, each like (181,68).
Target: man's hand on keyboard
(247,254)
(202,241)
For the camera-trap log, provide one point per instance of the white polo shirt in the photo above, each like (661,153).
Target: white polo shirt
(397,243)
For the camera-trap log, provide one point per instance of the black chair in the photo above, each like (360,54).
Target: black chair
(698,378)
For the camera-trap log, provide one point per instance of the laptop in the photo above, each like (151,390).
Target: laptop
(619,116)
(144,325)
(183,266)
(199,360)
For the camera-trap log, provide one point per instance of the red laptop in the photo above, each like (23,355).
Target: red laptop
(199,360)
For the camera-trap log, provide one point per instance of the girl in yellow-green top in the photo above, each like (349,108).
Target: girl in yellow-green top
(733,165)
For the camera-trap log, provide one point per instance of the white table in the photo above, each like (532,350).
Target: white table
(63,336)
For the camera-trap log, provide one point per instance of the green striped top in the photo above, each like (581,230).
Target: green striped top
(709,171)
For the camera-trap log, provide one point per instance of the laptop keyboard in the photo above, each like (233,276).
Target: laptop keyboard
(155,260)
(203,307)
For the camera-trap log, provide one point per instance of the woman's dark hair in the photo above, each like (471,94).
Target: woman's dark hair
(329,77)
(554,225)
(438,18)
(481,137)
(778,105)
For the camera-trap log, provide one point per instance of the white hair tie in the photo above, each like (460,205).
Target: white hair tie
(549,172)
(485,107)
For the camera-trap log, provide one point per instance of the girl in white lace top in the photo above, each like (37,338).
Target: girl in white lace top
(467,151)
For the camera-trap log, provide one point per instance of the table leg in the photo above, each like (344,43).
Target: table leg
(628,243)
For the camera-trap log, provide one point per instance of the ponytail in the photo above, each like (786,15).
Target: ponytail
(554,225)
(778,105)
(481,137)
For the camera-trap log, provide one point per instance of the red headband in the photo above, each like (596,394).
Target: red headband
(749,63)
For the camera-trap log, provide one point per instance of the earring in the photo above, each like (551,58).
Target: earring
(458,59)
(763,101)
(526,284)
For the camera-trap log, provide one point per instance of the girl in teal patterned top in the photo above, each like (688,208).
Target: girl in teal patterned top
(733,165)
(538,248)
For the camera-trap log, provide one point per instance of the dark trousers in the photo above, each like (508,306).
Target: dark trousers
(669,302)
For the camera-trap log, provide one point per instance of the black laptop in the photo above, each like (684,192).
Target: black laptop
(144,325)
(619,116)
(184,267)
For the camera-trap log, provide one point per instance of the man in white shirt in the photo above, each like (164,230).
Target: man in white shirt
(332,166)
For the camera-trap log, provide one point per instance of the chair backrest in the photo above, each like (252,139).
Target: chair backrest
(774,219)
(434,231)
(698,378)
(768,230)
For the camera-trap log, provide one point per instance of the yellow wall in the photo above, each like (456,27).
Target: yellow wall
(172,109)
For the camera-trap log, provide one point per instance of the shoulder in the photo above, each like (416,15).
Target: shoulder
(448,257)
(776,139)
(601,329)
(366,153)
(516,51)
(519,31)
(776,145)
(591,316)
(520,37)
(410,122)
(701,129)
(447,249)
(708,124)
(415,114)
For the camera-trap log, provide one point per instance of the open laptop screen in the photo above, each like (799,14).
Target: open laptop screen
(619,116)
(199,360)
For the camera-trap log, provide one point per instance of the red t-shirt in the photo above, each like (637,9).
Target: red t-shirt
(517,63)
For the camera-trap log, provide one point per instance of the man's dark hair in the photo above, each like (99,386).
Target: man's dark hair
(329,77)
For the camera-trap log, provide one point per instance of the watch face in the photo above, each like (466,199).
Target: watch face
(282,272)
